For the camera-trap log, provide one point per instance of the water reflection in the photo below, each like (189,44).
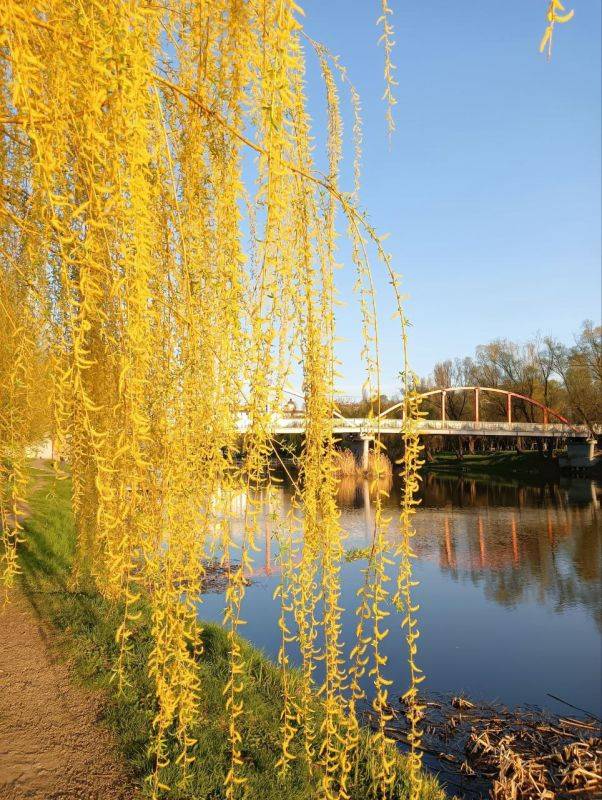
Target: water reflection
(465,493)
(517,543)
(510,584)
(554,557)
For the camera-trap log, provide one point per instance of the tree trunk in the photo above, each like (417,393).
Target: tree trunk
(460,451)
(428,451)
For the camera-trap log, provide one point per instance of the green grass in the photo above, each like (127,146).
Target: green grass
(507,463)
(86,626)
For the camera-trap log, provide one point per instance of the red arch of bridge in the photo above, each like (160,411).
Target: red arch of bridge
(547,412)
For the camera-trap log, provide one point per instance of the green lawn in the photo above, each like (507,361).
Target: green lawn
(506,463)
(87,624)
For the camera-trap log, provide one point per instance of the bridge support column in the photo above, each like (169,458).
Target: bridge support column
(365,453)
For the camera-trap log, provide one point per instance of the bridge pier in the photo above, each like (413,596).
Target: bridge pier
(365,452)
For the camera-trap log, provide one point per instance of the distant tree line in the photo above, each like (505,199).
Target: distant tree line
(566,378)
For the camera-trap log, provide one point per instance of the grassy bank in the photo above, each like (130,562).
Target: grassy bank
(507,463)
(86,625)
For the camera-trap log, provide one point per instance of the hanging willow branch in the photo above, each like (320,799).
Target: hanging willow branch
(129,132)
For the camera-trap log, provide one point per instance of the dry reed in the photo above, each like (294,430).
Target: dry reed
(379,465)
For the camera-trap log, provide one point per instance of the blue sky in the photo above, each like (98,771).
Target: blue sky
(490,190)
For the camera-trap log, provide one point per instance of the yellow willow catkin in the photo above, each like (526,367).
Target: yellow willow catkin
(291,714)
(373,594)
(23,387)
(13,433)
(403,598)
(386,39)
(553,16)
(168,254)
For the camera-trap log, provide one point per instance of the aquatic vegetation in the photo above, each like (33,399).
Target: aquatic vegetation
(379,465)
(346,463)
(503,753)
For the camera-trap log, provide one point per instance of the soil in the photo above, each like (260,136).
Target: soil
(52,743)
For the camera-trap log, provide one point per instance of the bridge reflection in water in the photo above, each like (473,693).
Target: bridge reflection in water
(510,582)
(468,527)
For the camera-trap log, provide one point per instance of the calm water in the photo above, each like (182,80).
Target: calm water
(510,588)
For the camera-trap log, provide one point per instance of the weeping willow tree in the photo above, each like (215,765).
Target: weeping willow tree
(168,254)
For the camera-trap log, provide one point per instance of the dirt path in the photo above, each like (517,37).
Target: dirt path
(52,745)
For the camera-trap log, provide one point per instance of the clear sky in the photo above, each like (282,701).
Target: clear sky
(490,190)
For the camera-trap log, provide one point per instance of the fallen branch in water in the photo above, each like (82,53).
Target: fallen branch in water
(577,708)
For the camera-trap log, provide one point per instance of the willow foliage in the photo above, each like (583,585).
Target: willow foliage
(168,253)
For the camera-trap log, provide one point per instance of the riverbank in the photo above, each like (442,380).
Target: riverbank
(85,626)
(508,463)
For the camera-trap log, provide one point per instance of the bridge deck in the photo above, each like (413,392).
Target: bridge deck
(367,427)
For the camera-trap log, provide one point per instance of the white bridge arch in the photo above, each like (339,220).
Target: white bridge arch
(552,424)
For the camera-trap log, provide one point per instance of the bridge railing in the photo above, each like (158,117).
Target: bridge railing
(369,427)
(552,422)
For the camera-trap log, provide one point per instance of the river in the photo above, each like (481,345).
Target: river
(510,588)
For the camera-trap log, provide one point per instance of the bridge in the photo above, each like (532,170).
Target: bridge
(551,425)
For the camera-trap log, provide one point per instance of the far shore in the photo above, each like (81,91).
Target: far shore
(506,463)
